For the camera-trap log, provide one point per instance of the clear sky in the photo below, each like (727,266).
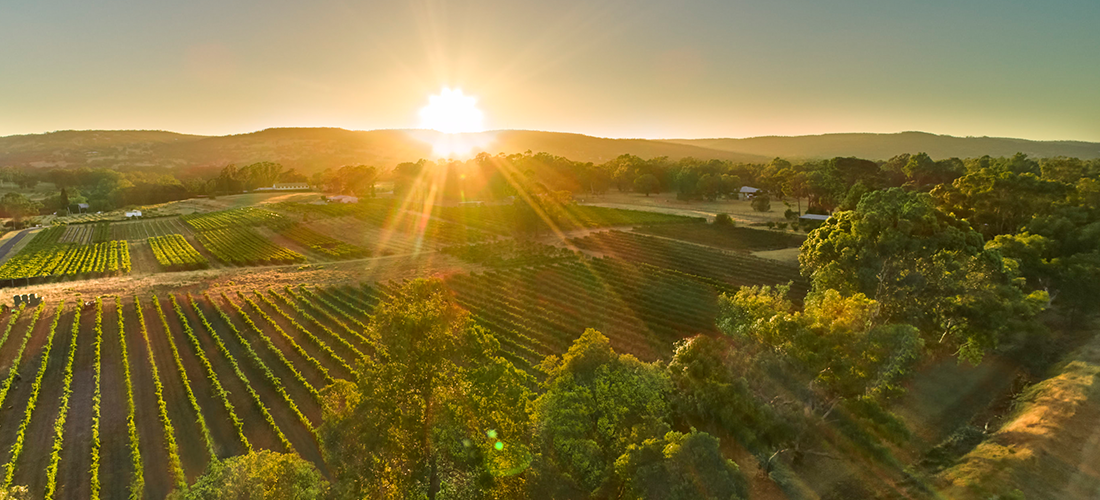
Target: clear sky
(631,68)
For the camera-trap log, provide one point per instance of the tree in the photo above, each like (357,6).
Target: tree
(258,475)
(647,183)
(724,220)
(923,267)
(679,466)
(597,403)
(17,206)
(761,202)
(63,199)
(435,410)
(709,186)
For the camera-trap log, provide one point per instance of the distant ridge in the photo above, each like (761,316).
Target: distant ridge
(314,149)
(884,146)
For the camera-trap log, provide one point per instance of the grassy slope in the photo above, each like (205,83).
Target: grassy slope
(1050,448)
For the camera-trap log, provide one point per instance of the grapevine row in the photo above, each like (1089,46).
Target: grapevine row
(243,246)
(174,253)
(306,300)
(169,432)
(258,363)
(310,319)
(290,340)
(312,338)
(36,388)
(96,398)
(210,374)
(62,413)
(137,484)
(14,370)
(186,383)
(237,370)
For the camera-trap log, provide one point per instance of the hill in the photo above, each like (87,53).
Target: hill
(313,149)
(885,146)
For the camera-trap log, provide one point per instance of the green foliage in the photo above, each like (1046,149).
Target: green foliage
(724,220)
(237,217)
(96,398)
(597,403)
(510,253)
(259,475)
(245,247)
(427,413)
(62,413)
(647,184)
(322,244)
(314,339)
(679,466)
(762,203)
(287,338)
(923,267)
(44,256)
(174,253)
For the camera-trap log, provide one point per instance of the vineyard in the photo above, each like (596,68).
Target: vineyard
(730,268)
(46,256)
(330,247)
(503,219)
(174,253)
(237,217)
(734,238)
(142,229)
(243,246)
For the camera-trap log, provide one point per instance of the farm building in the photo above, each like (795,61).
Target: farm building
(285,186)
(343,199)
(133,213)
(816,217)
(747,192)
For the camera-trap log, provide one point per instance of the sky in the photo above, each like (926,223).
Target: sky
(629,68)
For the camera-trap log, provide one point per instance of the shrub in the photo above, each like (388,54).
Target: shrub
(762,203)
(724,220)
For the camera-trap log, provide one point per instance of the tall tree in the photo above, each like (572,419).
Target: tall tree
(435,410)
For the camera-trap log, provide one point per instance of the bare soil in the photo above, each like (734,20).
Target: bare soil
(73,479)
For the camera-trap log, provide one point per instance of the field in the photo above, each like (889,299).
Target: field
(733,238)
(159,374)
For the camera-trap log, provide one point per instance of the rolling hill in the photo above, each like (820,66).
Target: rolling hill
(313,149)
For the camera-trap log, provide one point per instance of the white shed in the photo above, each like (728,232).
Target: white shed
(133,213)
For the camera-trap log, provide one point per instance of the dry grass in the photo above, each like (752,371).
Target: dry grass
(1049,448)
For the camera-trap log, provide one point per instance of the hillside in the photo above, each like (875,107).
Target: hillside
(885,146)
(313,149)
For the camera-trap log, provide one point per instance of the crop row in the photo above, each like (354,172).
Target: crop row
(322,244)
(36,388)
(305,298)
(236,369)
(14,370)
(96,399)
(68,259)
(208,439)
(174,253)
(243,246)
(137,484)
(510,253)
(504,219)
(62,413)
(308,334)
(733,268)
(273,349)
(289,340)
(237,217)
(174,465)
(140,230)
(210,374)
(258,363)
(293,304)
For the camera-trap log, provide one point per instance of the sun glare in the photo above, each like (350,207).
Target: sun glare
(451,112)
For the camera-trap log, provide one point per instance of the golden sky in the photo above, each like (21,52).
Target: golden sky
(608,68)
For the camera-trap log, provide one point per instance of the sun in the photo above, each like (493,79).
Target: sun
(451,112)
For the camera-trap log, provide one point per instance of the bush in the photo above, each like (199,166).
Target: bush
(781,226)
(724,220)
(762,203)
(790,215)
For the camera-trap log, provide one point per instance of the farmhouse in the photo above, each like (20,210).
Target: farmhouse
(747,193)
